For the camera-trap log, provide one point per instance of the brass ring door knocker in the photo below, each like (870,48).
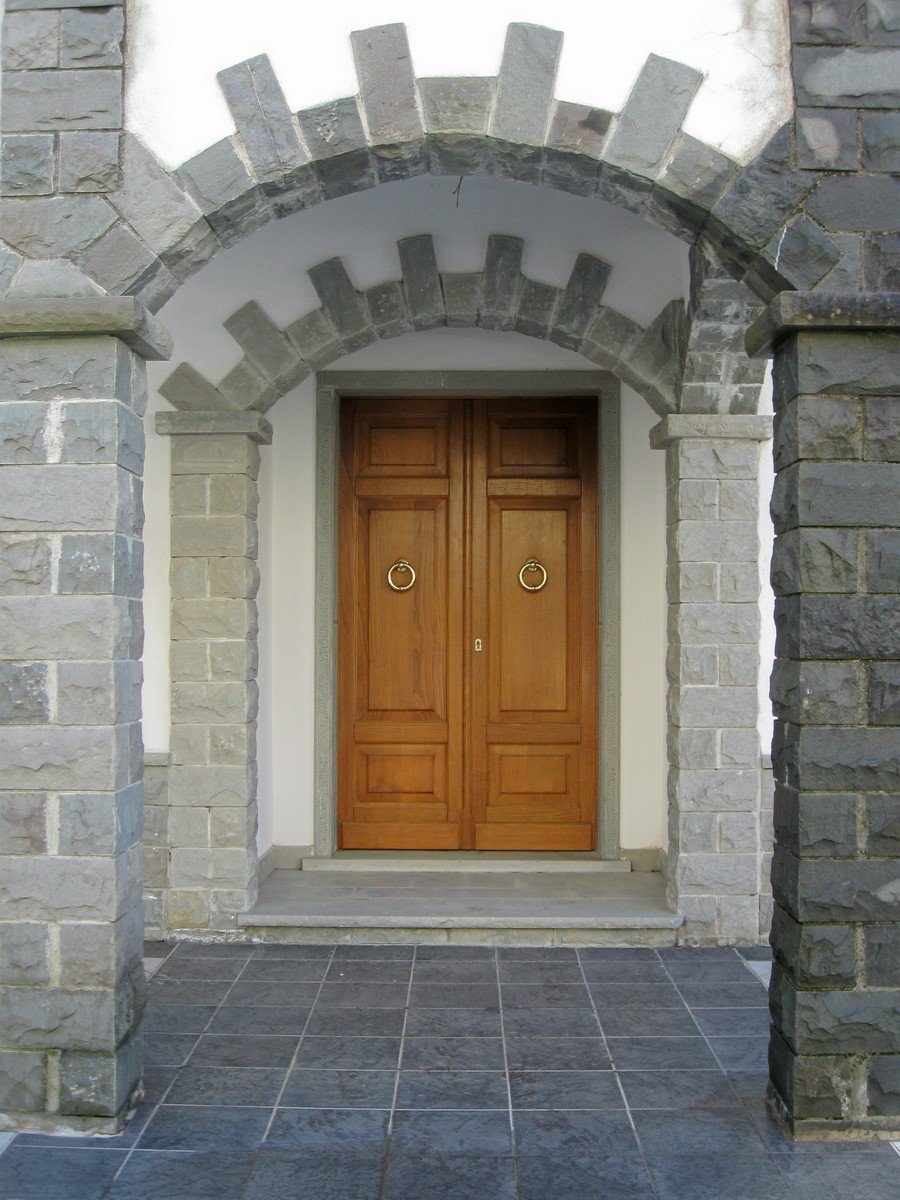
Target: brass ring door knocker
(401,567)
(532,566)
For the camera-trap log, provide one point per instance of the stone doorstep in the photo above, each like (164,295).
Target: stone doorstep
(465,862)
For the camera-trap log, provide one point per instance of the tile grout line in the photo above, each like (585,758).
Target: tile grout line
(618,1076)
(382,1183)
(185,1061)
(508,1081)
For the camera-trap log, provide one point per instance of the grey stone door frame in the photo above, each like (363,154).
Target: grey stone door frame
(331,387)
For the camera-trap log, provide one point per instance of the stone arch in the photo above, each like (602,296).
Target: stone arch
(160,226)
(498,297)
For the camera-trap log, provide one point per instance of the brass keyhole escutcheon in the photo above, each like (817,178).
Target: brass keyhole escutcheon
(400,567)
(533,567)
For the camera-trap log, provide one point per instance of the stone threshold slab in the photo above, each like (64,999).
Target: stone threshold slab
(467,862)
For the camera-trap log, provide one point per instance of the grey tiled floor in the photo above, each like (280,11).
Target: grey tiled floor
(458,1073)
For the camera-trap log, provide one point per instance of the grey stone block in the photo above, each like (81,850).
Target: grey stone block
(696,172)
(834,891)
(22,1081)
(49,100)
(30,40)
(88,161)
(23,825)
(513,160)
(843,493)
(883,1090)
(859,202)
(188,390)
(720,624)
(9,266)
(882,442)
(580,301)
(817,693)
(91,37)
(421,281)
(98,564)
(884,694)
(880,141)
(826,139)
(24,565)
(343,304)
(64,758)
(387,306)
(213,537)
(819,428)
(816,955)
(27,164)
(653,361)
(462,294)
(537,307)
(610,337)
(316,338)
(76,498)
(816,824)
(23,693)
(802,253)
(843,1022)
(246,388)
(850,77)
(118,260)
(883,560)
(838,627)
(526,82)
(881,263)
(212,787)
(766,192)
(821,758)
(265,345)
(717,791)
(100,1084)
(226,193)
(54,226)
(821,22)
(263,119)
(337,142)
(387,84)
(882,950)
(501,283)
(815,560)
(457,104)
(883,823)
(579,129)
(92,693)
(459,154)
(652,115)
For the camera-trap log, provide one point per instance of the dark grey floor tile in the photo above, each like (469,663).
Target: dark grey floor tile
(315,1175)
(227,1085)
(648,1022)
(451,953)
(241,950)
(755,953)
(308,1088)
(362,995)
(180,966)
(354,1053)
(450,1177)
(463,970)
(157,1175)
(177,1018)
(560,1176)
(700,1131)
(660,1053)
(545,995)
(617,954)
(453,1089)
(452,1053)
(271,950)
(733,1022)
(454,995)
(717,1176)
(643,995)
(560,954)
(678,1090)
(274,995)
(190,1127)
(550,1022)
(362,971)
(556,1054)
(167,1049)
(742,1053)
(187,991)
(270,1021)
(154,949)
(610,971)
(725,995)
(452,1133)
(539,971)
(717,970)
(454,1022)
(31,1173)
(600,1134)
(565,1089)
(695,953)
(214,1050)
(383,953)
(285,970)
(358,1022)
(156,1082)
(337,1130)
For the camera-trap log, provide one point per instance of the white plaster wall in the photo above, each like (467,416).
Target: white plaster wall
(177,46)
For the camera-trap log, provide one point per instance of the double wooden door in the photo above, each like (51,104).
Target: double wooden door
(468,624)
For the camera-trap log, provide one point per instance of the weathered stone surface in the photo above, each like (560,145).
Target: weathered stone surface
(225,191)
(525,86)
(36,100)
(818,428)
(22,1081)
(883,560)
(844,1022)
(38,887)
(718,791)
(652,115)
(212,787)
(537,306)
(764,194)
(815,560)
(421,282)
(100,824)
(187,389)
(819,1086)
(884,1085)
(836,627)
(883,707)
(23,823)
(580,301)
(835,891)
(858,202)
(456,103)
(68,627)
(216,453)
(316,338)
(337,142)
(501,282)
(98,693)
(27,164)
(816,955)
(817,693)
(54,225)
(343,304)
(850,77)
(119,260)
(802,253)
(387,83)
(578,129)
(836,494)
(881,141)
(91,38)
(24,953)
(24,698)
(462,295)
(70,498)
(714,623)
(100,1084)
(30,40)
(263,343)
(88,161)
(881,263)
(816,824)
(883,822)
(826,139)
(717,874)
(696,172)
(882,950)
(387,307)
(263,118)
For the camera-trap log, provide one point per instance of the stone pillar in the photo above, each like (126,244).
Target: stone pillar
(835,999)
(212,776)
(715,867)
(71,578)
